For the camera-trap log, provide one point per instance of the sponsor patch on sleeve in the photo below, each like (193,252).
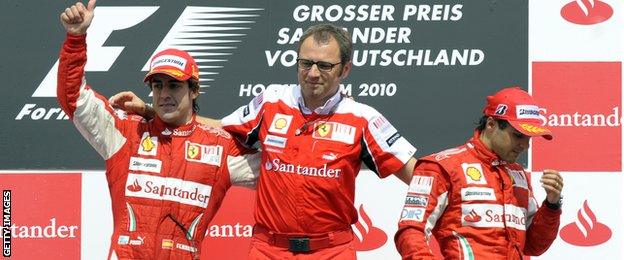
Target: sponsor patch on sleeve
(414,214)
(257,101)
(393,138)
(414,200)
(380,123)
(448,153)
(421,185)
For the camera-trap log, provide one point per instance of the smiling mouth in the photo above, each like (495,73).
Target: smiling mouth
(167,105)
(314,82)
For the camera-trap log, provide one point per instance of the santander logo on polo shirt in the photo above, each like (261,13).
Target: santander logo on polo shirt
(277,165)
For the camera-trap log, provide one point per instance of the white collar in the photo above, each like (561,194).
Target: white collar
(326,109)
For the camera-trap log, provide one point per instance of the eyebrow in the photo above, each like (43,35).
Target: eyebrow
(170,81)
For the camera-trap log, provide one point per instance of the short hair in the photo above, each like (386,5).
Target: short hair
(321,34)
(502,123)
(194,86)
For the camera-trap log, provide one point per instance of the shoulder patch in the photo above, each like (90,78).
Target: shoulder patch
(448,153)
(215,130)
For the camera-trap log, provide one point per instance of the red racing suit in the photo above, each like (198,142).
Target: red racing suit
(165,183)
(476,206)
(311,158)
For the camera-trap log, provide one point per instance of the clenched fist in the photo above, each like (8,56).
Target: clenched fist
(553,184)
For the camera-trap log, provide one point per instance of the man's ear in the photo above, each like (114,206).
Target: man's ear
(346,68)
(195,93)
(491,123)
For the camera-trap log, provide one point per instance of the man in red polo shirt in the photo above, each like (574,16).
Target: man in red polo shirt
(313,142)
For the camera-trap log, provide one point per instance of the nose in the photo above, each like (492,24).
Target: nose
(314,72)
(164,92)
(524,142)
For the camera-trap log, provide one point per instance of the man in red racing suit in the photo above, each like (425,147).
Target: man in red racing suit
(474,198)
(166,181)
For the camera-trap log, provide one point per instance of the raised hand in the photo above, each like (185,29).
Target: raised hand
(131,103)
(77,18)
(553,184)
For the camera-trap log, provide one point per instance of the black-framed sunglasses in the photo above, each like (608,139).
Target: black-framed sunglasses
(305,64)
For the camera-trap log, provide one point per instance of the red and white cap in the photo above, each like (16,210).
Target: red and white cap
(519,109)
(175,63)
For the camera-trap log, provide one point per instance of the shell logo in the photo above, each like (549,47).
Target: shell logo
(473,173)
(147,144)
(533,129)
(280,123)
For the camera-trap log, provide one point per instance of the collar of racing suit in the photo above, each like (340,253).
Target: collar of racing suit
(482,152)
(169,131)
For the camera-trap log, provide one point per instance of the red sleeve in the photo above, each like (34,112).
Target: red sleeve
(90,112)
(542,231)
(72,61)
(426,200)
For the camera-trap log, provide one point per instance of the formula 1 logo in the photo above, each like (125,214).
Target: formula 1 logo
(586,12)
(202,31)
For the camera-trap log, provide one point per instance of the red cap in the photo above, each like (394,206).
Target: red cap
(519,109)
(175,63)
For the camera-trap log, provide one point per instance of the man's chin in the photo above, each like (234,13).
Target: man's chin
(168,117)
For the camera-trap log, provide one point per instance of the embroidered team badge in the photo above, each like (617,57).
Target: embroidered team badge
(334,131)
(208,154)
(193,151)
